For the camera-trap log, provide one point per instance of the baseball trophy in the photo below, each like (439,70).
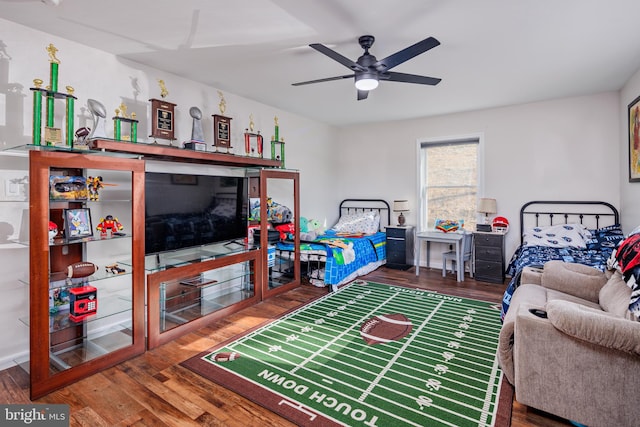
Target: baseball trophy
(276,141)
(162,116)
(249,136)
(221,127)
(119,118)
(52,135)
(197,134)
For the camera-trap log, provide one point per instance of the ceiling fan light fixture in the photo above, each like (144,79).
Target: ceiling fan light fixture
(366,81)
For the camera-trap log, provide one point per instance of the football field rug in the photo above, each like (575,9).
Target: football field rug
(370,355)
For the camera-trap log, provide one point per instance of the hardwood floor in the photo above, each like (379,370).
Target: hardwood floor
(154,390)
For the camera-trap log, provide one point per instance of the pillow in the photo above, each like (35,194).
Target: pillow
(358,223)
(605,237)
(558,236)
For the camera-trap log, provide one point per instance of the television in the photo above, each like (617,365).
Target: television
(183,211)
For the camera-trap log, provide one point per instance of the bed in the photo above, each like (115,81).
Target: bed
(342,253)
(555,230)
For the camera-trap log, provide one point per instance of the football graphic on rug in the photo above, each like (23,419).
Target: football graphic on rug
(226,356)
(385,328)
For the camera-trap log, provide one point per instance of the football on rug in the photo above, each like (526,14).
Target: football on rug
(370,355)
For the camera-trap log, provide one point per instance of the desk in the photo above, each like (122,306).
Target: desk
(440,237)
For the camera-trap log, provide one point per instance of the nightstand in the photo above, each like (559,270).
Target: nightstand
(399,247)
(488,253)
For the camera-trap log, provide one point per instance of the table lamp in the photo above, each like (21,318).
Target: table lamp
(401,206)
(486,206)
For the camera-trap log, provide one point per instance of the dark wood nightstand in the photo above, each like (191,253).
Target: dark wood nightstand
(400,247)
(488,252)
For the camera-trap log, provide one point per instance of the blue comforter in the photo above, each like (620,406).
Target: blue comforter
(366,249)
(598,250)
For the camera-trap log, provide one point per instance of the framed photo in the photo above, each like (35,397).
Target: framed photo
(634,140)
(77,223)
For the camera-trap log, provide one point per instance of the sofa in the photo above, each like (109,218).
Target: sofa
(570,346)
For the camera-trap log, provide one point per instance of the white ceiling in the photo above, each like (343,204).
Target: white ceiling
(492,52)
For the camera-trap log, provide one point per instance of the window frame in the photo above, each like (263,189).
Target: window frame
(478,138)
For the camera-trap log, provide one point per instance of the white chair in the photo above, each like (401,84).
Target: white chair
(467,249)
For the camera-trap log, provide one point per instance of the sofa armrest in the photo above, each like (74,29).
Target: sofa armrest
(532,275)
(562,375)
(595,326)
(574,279)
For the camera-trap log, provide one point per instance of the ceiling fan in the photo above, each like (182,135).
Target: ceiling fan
(368,71)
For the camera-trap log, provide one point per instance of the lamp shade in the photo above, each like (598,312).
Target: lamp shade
(487,206)
(400,205)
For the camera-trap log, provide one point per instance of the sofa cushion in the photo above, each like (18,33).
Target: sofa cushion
(576,279)
(595,326)
(615,295)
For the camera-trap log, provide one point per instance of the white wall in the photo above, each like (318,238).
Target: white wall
(108,79)
(629,191)
(562,149)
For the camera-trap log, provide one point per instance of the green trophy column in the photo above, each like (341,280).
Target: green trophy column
(117,128)
(134,130)
(53,87)
(37,112)
(70,112)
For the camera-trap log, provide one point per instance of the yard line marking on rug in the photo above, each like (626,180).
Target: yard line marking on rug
(487,399)
(355,325)
(385,369)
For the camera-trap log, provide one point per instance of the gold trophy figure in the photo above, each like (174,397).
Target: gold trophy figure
(52,53)
(223,104)
(163,89)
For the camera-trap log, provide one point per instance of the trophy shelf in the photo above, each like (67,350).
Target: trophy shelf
(163,152)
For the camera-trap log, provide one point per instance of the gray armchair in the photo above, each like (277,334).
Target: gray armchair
(571,347)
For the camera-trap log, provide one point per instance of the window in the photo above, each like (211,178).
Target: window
(449,177)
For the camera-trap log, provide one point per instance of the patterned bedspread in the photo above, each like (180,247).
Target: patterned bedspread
(342,262)
(595,255)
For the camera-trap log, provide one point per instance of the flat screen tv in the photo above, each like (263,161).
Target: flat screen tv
(183,211)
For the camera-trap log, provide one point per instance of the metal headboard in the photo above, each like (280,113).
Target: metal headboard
(592,214)
(352,206)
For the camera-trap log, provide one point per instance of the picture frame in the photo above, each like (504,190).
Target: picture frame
(77,223)
(634,140)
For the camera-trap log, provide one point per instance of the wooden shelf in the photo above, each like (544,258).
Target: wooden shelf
(163,152)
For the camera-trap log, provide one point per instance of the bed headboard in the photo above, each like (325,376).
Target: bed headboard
(592,214)
(352,206)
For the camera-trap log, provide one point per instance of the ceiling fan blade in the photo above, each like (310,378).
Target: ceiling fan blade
(362,94)
(405,54)
(328,79)
(409,78)
(337,57)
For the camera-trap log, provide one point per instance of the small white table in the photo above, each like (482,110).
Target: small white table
(440,237)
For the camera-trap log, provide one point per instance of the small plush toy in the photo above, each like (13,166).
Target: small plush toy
(304,225)
(316,226)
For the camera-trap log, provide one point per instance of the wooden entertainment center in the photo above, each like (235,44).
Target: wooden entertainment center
(81,325)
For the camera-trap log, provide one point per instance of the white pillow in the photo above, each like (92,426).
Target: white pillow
(362,222)
(558,236)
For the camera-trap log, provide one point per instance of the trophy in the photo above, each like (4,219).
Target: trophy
(162,116)
(119,118)
(276,141)
(249,135)
(197,135)
(221,127)
(99,114)
(52,135)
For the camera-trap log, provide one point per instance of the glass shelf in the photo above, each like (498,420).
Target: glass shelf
(189,298)
(64,149)
(182,257)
